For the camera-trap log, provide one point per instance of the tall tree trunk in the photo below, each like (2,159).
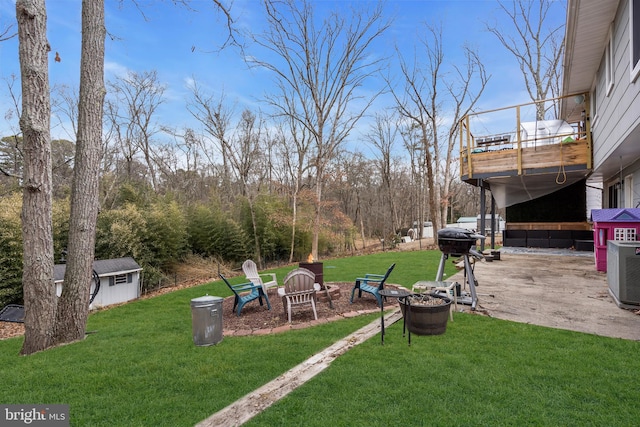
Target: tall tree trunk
(37,229)
(431,185)
(73,307)
(318,215)
(392,206)
(294,220)
(258,252)
(359,215)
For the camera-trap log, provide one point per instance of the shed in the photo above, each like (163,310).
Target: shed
(427,230)
(622,224)
(120,281)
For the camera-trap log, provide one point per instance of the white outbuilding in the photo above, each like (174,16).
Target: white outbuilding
(119,280)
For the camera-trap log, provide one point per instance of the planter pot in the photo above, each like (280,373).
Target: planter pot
(426,319)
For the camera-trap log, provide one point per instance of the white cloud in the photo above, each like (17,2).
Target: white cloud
(114,69)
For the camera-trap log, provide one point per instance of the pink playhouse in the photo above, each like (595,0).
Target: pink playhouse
(613,224)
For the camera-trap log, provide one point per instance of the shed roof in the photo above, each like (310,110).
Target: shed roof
(467,219)
(615,215)
(104,267)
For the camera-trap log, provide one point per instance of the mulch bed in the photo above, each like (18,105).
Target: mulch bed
(11,329)
(255,317)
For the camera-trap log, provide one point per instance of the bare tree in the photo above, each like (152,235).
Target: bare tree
(65,104)
(246,151)
(73,306)
(418,104)
(37,229)
(293,152)
(182,166)
(11,146)
(215,116)
(422,102)
(465,89)
(141,94)
(7,32)
(537,47)
(13,111)
(62,150)
(241,151)
(356,184)
(318,68)
(383,135)
(412,143)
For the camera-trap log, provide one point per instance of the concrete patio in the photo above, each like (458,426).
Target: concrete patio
(554,288)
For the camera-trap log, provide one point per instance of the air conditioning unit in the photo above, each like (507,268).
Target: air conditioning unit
(623,273)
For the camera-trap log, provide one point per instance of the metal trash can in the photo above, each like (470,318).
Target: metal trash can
(206,315)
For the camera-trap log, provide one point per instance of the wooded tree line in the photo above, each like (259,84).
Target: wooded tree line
(272,187)
(204,211)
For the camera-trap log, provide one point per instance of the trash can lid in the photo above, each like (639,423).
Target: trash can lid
(205,301)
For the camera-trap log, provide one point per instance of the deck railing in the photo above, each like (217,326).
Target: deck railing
(516,128)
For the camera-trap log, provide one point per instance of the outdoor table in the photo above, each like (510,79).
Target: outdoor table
(431,285)
(424,286)
(396,293)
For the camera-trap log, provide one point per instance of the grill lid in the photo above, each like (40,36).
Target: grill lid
(456,233)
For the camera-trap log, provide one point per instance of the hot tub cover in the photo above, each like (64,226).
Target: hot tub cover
(12,313)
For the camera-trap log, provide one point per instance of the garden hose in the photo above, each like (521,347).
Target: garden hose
(96,279)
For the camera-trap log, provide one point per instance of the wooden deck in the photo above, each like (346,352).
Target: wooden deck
(547,158)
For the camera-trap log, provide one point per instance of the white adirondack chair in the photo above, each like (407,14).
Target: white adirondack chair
(266,280)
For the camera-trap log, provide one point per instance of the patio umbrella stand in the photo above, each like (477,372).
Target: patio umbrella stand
(459,242)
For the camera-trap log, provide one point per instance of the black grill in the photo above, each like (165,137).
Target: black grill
(457,241)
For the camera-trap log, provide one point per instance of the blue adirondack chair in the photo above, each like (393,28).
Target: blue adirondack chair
(255,292)
(371,283)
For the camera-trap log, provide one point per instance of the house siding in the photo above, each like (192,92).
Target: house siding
(618,113)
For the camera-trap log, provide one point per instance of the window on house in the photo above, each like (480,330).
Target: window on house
(608,63)
(634,35)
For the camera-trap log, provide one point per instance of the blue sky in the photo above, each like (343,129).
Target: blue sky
(182,44)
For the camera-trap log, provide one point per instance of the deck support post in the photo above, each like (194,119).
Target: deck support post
(493,222)
(482,212)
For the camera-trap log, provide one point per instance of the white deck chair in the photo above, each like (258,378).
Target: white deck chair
(266,280)
(299,289)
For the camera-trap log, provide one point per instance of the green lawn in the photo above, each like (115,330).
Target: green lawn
(481,372)
(139,367)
